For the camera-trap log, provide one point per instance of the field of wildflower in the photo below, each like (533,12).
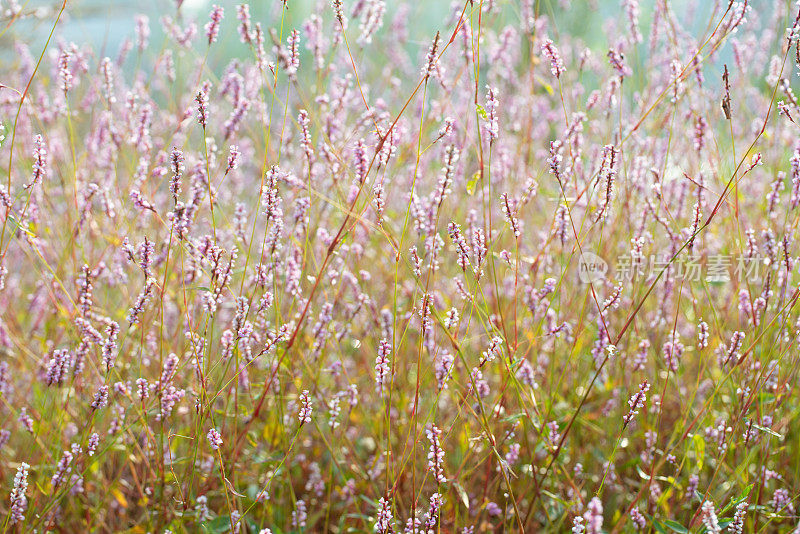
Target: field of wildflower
(532,271)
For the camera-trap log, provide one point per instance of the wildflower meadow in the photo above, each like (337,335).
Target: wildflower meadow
(400,267)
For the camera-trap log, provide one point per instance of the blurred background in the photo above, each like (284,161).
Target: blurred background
(106,24)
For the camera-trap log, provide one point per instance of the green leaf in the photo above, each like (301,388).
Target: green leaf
(218,525)
(768,431)
(699,446)
(371,502)
(472,183)
(462,494)
(481,111)
(642,473)
(675,526)
(745,493)
(766,397)
(741,498)
(554,497)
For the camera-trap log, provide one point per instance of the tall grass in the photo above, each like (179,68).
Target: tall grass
(363,279)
